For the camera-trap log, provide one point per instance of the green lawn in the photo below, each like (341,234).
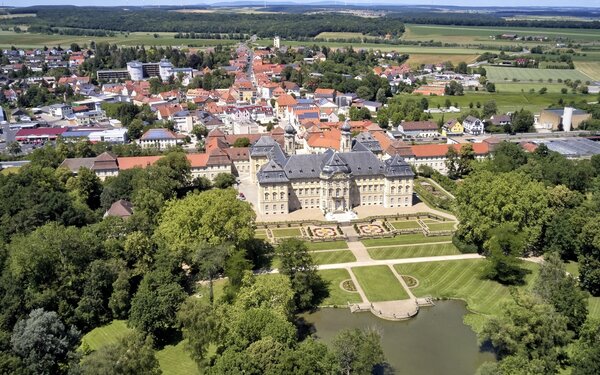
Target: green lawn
(461,279)
(342,256)
(408,224)
(287,232)
(403,239)
(504,74)
(108,334)
(413,251)
(333,245)
(176,360)
(441,226)
(260,234)
(572,268)
(589,68)
(594,307)
(338,296)
(552,87)
(379,283)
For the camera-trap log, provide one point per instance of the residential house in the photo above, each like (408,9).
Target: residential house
(452,128)
(160,139)
(418,129)
(473,126)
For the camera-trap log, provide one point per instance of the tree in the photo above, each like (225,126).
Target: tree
(133,354)
(465,160)
(358,351)
(490,86)
(484,200)
(14,148)
(586,354)
(381,96)
(364,92)
(209,261)
(461,67)
(522,121)
(528,332)
(214,217)
(559,289)
(454,88)
(296,263)
(452,163)
(242,142)
(224,180)
(198,323)
(589,257)
(135,129)
(489,108)
(86,187)
(154,306)
(508,157)
(502,249)
(44,343)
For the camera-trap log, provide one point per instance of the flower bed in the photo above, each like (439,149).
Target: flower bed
(324,232)
(370,229)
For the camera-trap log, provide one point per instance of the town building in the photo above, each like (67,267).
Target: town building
(562,119)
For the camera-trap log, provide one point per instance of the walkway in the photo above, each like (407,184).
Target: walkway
(388,262)
(358,249)
(438,186)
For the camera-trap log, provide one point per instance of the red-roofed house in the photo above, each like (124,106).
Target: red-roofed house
(434,155)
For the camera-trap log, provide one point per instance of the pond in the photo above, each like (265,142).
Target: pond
(436,341)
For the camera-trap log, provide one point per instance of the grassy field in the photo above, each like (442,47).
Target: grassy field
(589,68)
(176,360)
(482,34)
(594,307)
(379,283)
(329,257)
(260,233)
(108,334)
(416,59)
(342,35)
(338,296)
(513,87)
(408,224)
(460,279)
(287,232)
(502,74)
(441,226)
(32,40)
(333,245)
(405,239)
(413,251)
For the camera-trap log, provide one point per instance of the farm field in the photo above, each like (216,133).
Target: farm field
(470,34)
(525,87)
(342,35)
(589,68)
(338,296)
(461,279)
(379,283)
(329,257)
(31,40)
(417,59)
(501,74)
(413,251)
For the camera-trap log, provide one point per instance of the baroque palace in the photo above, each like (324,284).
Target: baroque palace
(333,181)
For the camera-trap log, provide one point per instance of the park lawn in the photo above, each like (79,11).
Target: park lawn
(594,307)
(507,74)
(333,245)
(329,257)
(402,239)
(176,360)
(441,226)
(287,232)
(589,68)
(413,251)
(203,291)
(337,295)
(260,234)
(462,279)
(379,283)
(107,334)
(408,224)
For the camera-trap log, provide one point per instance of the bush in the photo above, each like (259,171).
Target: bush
(462,246)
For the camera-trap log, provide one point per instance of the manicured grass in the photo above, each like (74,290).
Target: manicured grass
(326,245)
(379,283)
(408,224)
(589,68)
(108,334)
(176,360)
(338,296)
(594,307)
(260,234)
(441,226)
(402,239)
(413,251)
(505,74)
(287,232)
(329,257)
(461,279)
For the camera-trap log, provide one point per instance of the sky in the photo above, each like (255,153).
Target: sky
(511,3)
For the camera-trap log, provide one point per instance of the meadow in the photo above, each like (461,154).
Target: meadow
(589,68)
(504,74)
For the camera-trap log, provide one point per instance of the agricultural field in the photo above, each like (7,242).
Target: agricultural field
(342,35)
(589,68)
(417,59)
(379,283)
(32,40)
(483,34)
(504,74)
(338,296)
(413,251)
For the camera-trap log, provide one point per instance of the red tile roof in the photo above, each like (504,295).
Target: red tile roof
(423,151)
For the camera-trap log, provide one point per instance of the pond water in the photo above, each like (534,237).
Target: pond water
(436,341)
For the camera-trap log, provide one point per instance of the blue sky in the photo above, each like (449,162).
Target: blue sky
(588,3)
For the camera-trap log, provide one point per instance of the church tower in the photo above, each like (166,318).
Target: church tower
(290,140)
(346,138)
